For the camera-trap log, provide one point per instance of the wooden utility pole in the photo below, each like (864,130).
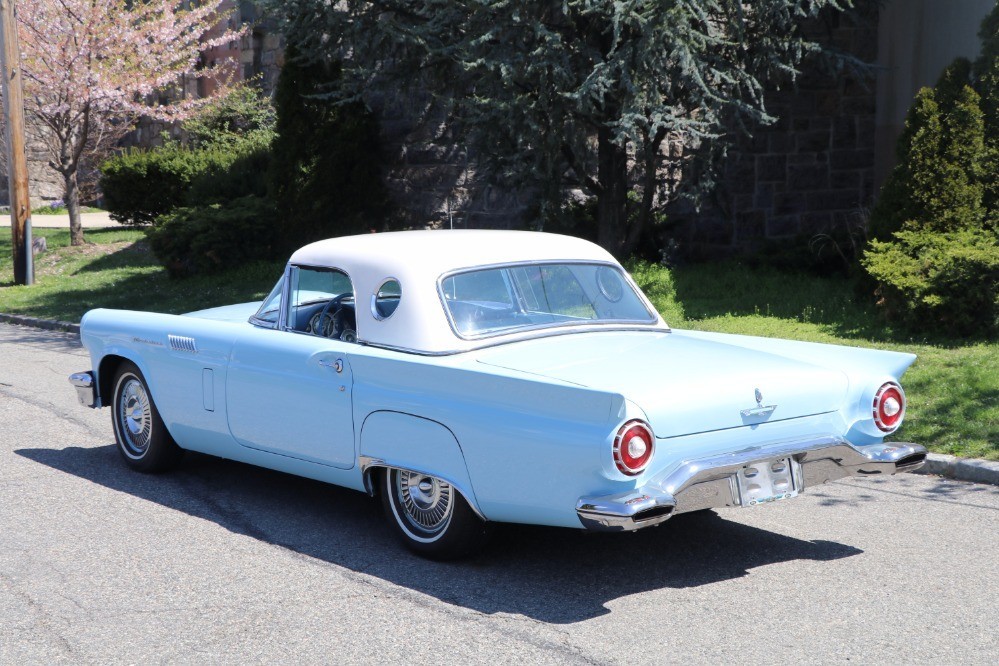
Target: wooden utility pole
(17,163)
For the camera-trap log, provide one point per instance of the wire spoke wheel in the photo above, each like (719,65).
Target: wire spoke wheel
(425,502)
(134,416)
(431,517)
(142,437)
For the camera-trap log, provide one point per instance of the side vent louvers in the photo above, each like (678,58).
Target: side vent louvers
(181,343)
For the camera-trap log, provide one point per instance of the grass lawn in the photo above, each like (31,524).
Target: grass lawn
(953,388)
(117,270)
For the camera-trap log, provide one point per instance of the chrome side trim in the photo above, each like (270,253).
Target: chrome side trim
(710,482)
(86,388)
(536,335)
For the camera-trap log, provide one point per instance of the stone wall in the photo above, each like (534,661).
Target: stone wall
(45,184)
(811,172)
(432,178)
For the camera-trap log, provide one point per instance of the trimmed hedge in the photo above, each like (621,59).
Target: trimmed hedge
(948,282)
(141,185)
(214,238)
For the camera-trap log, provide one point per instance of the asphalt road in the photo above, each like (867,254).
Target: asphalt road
(224,563)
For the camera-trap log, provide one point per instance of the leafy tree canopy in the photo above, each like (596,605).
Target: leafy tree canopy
(571,93)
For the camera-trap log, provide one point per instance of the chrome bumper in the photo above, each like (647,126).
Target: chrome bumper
(711,482)
(86,390)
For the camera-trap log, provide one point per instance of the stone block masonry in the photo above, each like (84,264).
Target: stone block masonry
(811,172)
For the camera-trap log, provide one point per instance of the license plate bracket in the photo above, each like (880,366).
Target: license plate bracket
(768,481)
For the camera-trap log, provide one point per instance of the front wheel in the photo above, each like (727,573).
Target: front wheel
(142,437)
(430,516)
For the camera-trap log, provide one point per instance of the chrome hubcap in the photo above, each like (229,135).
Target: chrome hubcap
(426,501)
(135,416)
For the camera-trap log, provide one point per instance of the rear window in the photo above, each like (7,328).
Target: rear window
(495,301)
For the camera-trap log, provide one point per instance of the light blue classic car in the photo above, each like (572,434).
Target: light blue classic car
(473,377)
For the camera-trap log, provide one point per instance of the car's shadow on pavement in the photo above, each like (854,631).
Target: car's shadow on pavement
(551,575)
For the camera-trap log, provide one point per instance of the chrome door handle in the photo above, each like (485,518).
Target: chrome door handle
(336,365)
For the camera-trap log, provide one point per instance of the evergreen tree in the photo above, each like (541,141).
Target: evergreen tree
(324,172)
(935,253)
(938,179)
(565,94)
(987,85)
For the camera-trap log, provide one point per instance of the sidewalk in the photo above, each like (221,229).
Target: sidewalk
(89,220)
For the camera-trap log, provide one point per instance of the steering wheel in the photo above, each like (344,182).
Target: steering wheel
(325,324)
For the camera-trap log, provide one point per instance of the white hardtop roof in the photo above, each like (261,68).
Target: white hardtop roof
(438,252)
(417,259)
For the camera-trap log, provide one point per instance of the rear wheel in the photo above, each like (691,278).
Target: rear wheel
(430,516)
(143,440)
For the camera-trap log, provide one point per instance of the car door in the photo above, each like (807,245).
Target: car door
(288,391)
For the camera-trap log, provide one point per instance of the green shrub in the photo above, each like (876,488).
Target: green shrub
(325,173)
(141,185)
(939,178)
(942,281)
(244,113)
(210,239)
(230,173)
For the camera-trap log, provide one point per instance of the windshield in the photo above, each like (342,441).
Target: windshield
(494,301)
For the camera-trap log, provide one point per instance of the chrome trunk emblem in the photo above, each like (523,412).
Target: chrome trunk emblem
(760,409)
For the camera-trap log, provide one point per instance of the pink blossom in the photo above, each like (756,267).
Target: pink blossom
(92,67)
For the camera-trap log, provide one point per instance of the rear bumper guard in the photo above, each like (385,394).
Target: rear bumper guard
(711,482)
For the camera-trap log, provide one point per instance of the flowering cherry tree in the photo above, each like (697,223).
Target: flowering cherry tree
(93,67)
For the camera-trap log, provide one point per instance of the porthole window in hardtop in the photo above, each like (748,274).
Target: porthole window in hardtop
(386,299)
(322,303)
(500,300)
(269,311)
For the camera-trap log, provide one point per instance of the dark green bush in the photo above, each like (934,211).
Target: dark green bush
(210,239)
(141,185)
(941,281)
(230,173)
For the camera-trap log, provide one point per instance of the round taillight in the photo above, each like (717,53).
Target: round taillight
(889,407)
(633,447)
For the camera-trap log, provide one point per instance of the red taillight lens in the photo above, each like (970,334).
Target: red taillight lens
(889,407)
(633,447)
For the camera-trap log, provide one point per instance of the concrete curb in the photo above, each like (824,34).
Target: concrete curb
(962,469)
(951,467)
(34,322)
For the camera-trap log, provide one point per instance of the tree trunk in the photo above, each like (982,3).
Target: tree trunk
(73,206)
(612,199)
(651,176)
